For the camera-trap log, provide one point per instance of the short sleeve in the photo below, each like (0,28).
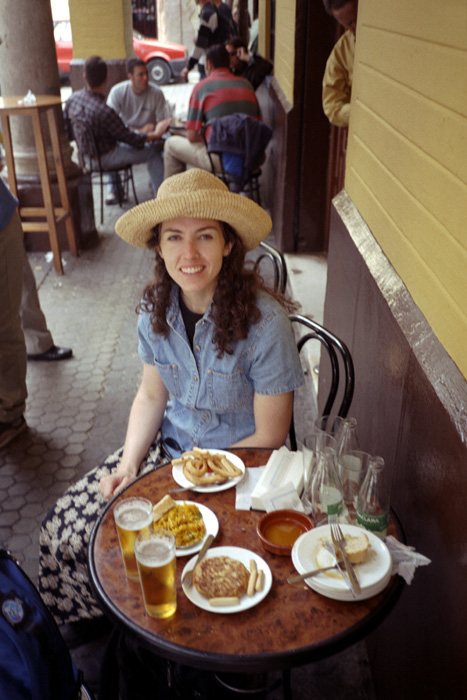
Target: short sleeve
(275,367)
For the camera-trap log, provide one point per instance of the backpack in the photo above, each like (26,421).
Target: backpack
(35,663)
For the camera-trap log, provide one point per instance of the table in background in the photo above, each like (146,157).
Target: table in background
(10,106)
(292,626)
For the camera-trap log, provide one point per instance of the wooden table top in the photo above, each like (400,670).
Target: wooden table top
(292,626)
(11,102)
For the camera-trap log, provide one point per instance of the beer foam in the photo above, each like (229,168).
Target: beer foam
(134,518)
(153,553)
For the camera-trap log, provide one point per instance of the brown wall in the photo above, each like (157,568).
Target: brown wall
(410,402)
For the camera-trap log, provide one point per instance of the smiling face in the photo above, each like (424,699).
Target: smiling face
(139,79)
(193,251)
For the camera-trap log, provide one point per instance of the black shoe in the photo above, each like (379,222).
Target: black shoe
(9,431)
(54,353)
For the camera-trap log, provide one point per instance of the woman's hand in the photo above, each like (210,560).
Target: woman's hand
(113,483)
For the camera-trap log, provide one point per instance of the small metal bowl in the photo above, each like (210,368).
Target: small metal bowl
(279,529)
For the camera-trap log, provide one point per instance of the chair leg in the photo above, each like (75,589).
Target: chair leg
(133,186)
(102,198)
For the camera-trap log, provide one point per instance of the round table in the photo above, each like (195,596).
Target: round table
(292,626)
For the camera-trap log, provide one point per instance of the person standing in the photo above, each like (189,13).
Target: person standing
(143,108)
(338,75)
(214,28)
(15,304)
(118,145)
(219,95)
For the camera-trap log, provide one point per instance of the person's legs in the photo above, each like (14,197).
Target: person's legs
(36,334)
(179,152)
(13,390)
(151,154)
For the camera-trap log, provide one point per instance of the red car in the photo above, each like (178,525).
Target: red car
(165,60)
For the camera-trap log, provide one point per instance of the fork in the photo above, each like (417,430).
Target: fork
(188,577)
(338,541)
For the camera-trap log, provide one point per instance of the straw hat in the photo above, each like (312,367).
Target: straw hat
(199,195)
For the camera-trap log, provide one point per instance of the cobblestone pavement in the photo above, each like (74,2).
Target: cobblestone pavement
(77,412)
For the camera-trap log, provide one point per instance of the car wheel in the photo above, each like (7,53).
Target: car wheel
(159,71)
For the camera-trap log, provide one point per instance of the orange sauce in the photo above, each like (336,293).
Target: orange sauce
(283,532)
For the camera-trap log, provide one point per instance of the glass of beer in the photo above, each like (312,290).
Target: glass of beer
(132,516)
(155,555)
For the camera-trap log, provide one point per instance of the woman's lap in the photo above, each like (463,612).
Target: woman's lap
(63,573)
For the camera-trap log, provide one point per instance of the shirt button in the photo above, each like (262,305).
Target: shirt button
(195,378)
(197,348)
(209,371)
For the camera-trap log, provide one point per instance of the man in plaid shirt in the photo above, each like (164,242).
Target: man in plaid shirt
(118,145)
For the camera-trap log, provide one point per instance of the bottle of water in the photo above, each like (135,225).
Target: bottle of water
(373,499)
(347,438)
(326,488)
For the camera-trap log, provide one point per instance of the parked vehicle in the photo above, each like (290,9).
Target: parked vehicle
(165,59)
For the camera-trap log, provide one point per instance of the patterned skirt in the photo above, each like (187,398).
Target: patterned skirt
(64,538)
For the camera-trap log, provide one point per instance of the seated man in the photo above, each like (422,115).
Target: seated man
(118,145)
(337,80)
(142,107)
(252,67)
(218,95)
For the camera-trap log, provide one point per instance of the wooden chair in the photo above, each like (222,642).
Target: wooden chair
(338,354)
(90,162)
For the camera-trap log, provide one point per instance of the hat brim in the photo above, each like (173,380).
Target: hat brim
(251,222)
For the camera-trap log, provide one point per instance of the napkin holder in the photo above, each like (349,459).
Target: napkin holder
(283,472)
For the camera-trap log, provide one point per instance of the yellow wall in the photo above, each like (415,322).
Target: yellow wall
(101,27)
(407,154)
(284,52)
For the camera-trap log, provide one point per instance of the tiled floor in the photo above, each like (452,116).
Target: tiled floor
(77,412)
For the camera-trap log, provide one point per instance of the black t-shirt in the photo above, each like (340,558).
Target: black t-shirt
(190,319)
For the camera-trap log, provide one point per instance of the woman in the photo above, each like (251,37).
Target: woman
(219,363)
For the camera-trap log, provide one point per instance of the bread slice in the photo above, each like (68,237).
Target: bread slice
(221,577)
(356,546)
(163,507)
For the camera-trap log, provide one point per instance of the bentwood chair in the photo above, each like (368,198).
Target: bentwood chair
(90,162)
(279,267)
(339,358)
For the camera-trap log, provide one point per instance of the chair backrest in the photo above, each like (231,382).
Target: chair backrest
(241,142)
(278,263)
(336,349)
(88,151)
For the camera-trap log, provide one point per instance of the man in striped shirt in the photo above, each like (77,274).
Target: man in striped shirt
(218,95)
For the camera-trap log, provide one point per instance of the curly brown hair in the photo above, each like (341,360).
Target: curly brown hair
(234,307)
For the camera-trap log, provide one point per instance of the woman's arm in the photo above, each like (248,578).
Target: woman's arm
(146,417)
(272,421)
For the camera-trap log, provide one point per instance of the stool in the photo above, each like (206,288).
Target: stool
(53,215)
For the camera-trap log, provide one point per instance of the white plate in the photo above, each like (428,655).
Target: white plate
(245,602)
(180,478)
(212,528)
(373,575)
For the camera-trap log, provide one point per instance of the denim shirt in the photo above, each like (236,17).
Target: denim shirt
(211,399)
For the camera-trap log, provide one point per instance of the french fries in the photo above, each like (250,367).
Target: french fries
(201,467)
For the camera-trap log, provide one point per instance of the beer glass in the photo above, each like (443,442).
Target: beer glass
(132,516)
(155,555)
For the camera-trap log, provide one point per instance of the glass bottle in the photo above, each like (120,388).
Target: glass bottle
(373,499)
(347,438)
(326,488)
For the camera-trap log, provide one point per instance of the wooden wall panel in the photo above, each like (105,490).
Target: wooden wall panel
(407,151)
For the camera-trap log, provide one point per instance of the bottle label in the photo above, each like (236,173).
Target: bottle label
(332,500)
(378,524)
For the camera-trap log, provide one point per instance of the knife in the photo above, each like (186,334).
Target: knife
(342,569)
(188,577)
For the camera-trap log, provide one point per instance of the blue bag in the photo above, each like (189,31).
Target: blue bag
(35,663)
